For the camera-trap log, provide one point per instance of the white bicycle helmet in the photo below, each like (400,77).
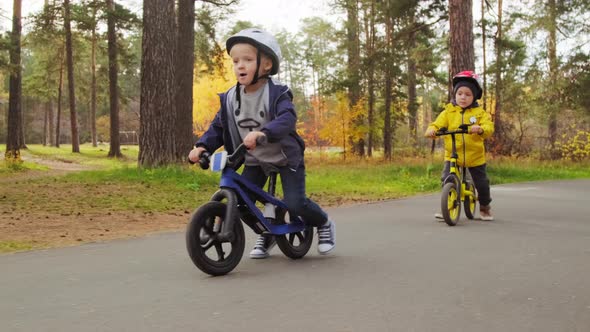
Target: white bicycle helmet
(262,40)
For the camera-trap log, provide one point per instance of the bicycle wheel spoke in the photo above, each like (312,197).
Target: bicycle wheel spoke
(220,253)
(208,245)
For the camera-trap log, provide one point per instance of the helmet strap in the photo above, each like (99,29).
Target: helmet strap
(255,79)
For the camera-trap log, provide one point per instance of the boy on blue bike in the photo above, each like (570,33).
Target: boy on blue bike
(260,106)
(464,109)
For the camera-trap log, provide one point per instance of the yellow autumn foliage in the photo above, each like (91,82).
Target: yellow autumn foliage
(205,95)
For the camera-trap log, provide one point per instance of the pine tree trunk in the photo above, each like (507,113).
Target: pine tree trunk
(354,89)
(461,37)
(59,97)
(553,72)
(370,49)
(115,146)
(71,87)
(184,76)
(412,97)
(93,80)
(387,126)
(485,65)
(498,139)
(13,143)
(157,144)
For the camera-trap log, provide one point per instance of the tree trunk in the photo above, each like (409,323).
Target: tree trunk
(485,65)
(71,89)
(49,128)
(157,144)
(553,76)
(59,97)
(461,38)
(498,140)
(185,62)
(370,49)
(353,49)
(93,81)
(387,127)
(115,146)
(412,98)
(13,142)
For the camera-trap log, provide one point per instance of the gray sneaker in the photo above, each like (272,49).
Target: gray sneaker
(263,245)
(439,216)
(326,237)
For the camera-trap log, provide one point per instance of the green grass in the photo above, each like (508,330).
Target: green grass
(118,185)
(12,246)
(88,155)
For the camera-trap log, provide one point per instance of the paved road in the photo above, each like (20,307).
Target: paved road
(395,269)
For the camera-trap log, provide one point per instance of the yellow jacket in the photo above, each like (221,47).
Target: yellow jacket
(453,116)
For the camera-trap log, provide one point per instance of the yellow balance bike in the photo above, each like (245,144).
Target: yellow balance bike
(457,187)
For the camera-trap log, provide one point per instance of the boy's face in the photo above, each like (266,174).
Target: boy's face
(464,97)
(244,59)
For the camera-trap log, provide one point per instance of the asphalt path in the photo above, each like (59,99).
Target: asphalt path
(394,269)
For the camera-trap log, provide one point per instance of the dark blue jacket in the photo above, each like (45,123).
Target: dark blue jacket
(281,128)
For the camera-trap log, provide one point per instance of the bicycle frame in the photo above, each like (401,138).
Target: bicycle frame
(235,189)
(458,173)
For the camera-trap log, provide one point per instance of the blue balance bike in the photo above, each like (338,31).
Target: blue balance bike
(215,235)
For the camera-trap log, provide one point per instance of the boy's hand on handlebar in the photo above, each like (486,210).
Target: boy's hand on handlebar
(430,133)
(250,141)
(476,129)
(195,154)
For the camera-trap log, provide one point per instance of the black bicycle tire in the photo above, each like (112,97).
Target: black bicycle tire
(285,242)
(195,248)
(446,192)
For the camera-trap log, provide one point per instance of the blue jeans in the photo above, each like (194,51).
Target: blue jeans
(293,182)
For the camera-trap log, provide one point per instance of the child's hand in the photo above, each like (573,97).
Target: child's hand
(430,133)
(476,129)
(250,139)
(195,154)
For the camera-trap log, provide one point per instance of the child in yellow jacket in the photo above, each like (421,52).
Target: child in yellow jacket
(464,109)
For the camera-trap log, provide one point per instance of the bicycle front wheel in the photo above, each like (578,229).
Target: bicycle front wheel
(208,253)
(450,203)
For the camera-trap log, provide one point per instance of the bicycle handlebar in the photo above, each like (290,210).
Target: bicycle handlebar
(233,159)
(463,129)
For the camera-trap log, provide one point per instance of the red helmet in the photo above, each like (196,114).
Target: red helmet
(469,76)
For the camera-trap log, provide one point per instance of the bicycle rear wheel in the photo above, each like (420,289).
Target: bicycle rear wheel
(470,201)
(208,253)
(450,203)
(293,245)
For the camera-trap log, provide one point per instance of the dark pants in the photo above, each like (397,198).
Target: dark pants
(293,193)
(480,180)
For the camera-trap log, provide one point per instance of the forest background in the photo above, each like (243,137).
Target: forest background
(366,83)
(84,77)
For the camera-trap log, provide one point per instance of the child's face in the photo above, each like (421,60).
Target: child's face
(464,97)
(244,59)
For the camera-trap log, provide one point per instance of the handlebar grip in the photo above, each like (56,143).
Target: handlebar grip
(204,160)
(262,140)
